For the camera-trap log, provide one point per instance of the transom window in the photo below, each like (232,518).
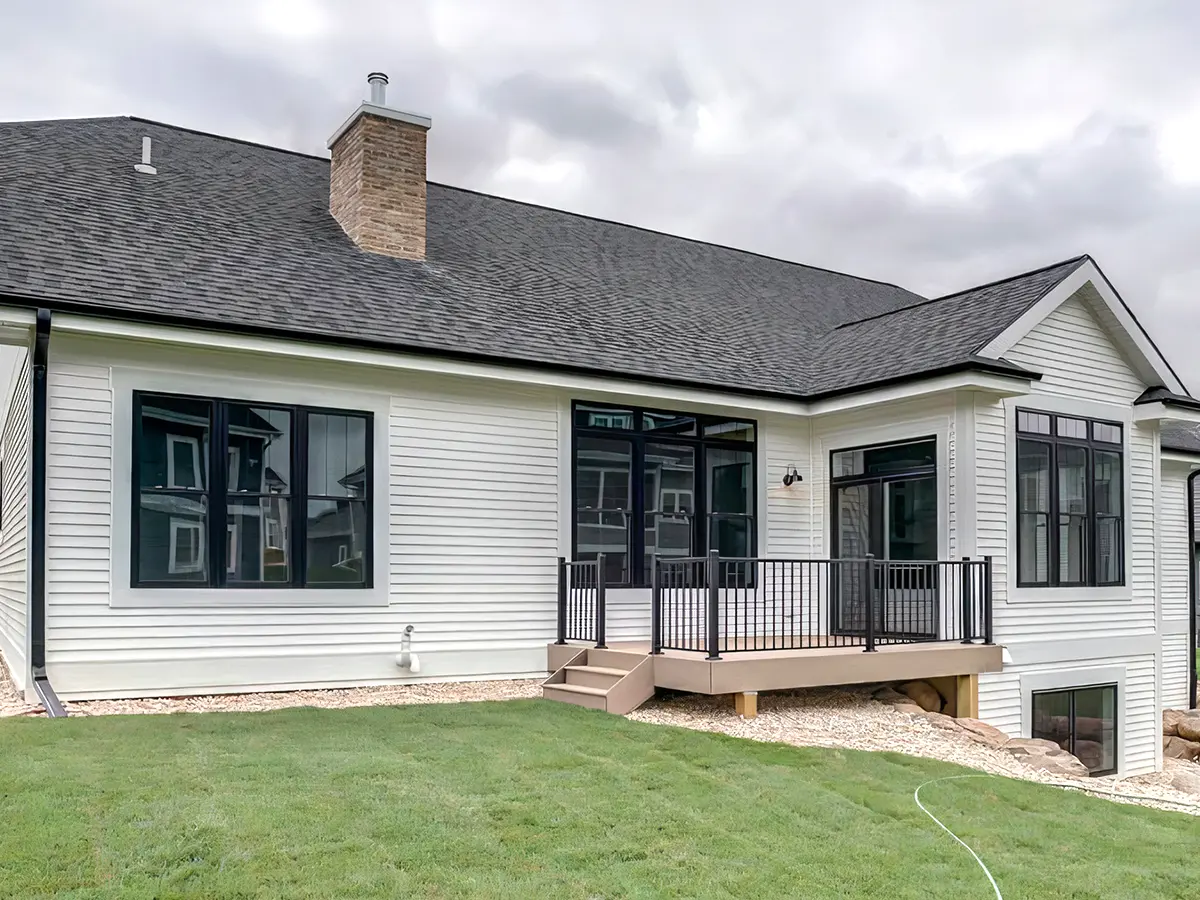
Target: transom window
(1083,721)
(291,506)
(1070,501)
(650,482)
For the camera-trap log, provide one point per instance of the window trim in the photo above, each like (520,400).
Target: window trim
(1053,441)
(638,438)
(217,493)
(197,468)
(1071,690)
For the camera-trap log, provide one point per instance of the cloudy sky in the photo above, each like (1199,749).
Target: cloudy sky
(934,143)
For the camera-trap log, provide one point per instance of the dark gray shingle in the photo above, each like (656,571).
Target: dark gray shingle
(238,236)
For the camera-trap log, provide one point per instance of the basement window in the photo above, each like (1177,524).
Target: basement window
(291,506)
(1083,721)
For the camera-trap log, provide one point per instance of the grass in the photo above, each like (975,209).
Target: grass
(529,799)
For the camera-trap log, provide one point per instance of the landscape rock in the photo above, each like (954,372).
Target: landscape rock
(982,732)
(1171,719)
(924,694)
(943,721)
(1179,748)
(888,694)
(1188,727)
(1185,776)
(1046,756)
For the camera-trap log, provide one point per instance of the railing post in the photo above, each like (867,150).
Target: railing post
(712,616)
(987,600)
(601,612)
(869,601)
(562,600)
(655,608)
(967,587)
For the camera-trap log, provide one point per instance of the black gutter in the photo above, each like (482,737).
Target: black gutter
(37,520)
(1193,625)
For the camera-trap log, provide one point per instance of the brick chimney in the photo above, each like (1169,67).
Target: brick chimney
(377,176)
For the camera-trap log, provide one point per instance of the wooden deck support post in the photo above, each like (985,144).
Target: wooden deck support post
(746,704)
(967,696)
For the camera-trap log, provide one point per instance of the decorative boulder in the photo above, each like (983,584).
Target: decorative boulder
(888,694)
(1046,756)
(1188,727)
(982,732)
(1185,776)
(1171,719)
(907,706)
(923,694)
(940,720)
(1179,748)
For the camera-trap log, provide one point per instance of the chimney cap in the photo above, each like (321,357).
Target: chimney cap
(378,82)
(377,106)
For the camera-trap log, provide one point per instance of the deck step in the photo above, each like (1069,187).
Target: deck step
(577,694)
(578,689)
(613,659)
(593,676)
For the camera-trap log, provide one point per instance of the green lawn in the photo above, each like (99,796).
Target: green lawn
(529,799)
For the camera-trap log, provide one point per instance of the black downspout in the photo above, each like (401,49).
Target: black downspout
(37,520)
(1193,629)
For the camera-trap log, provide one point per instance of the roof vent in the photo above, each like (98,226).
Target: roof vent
(144,166)
(378,82)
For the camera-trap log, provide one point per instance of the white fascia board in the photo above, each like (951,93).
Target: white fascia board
(1150,356)
(1186,459)
(617,388)
(1154,412)
(986,382)
(15,324)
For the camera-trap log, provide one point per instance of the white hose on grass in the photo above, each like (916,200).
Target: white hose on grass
(938,822)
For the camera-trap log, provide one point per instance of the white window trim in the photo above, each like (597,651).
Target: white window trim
(195,445)
(1084,409)
(178,525)
(1065,679)
(208,381)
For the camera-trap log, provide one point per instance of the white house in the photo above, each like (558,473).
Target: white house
(272,413)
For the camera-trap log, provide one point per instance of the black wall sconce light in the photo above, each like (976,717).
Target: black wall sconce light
(791,476)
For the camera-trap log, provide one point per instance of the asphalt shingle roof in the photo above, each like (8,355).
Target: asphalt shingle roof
(1180,436)
(238,236)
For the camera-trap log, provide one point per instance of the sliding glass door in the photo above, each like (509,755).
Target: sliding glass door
(884,503)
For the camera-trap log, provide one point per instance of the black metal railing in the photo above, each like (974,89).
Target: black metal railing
(581,601)
(725,605)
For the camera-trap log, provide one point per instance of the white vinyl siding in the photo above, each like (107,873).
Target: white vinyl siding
(1081,368)
(14,551)
(471,525)
(1174,555)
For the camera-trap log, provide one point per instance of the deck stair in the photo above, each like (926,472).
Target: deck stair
(611,680)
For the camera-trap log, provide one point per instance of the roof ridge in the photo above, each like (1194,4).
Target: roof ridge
(969,290)
(220,137)
(566,212)
(979,287)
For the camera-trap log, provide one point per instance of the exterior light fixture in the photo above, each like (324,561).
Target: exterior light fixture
(791,477)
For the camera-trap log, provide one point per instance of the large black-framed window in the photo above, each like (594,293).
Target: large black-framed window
(1070,501)
(242,494)
(649,482)
(1081,720)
